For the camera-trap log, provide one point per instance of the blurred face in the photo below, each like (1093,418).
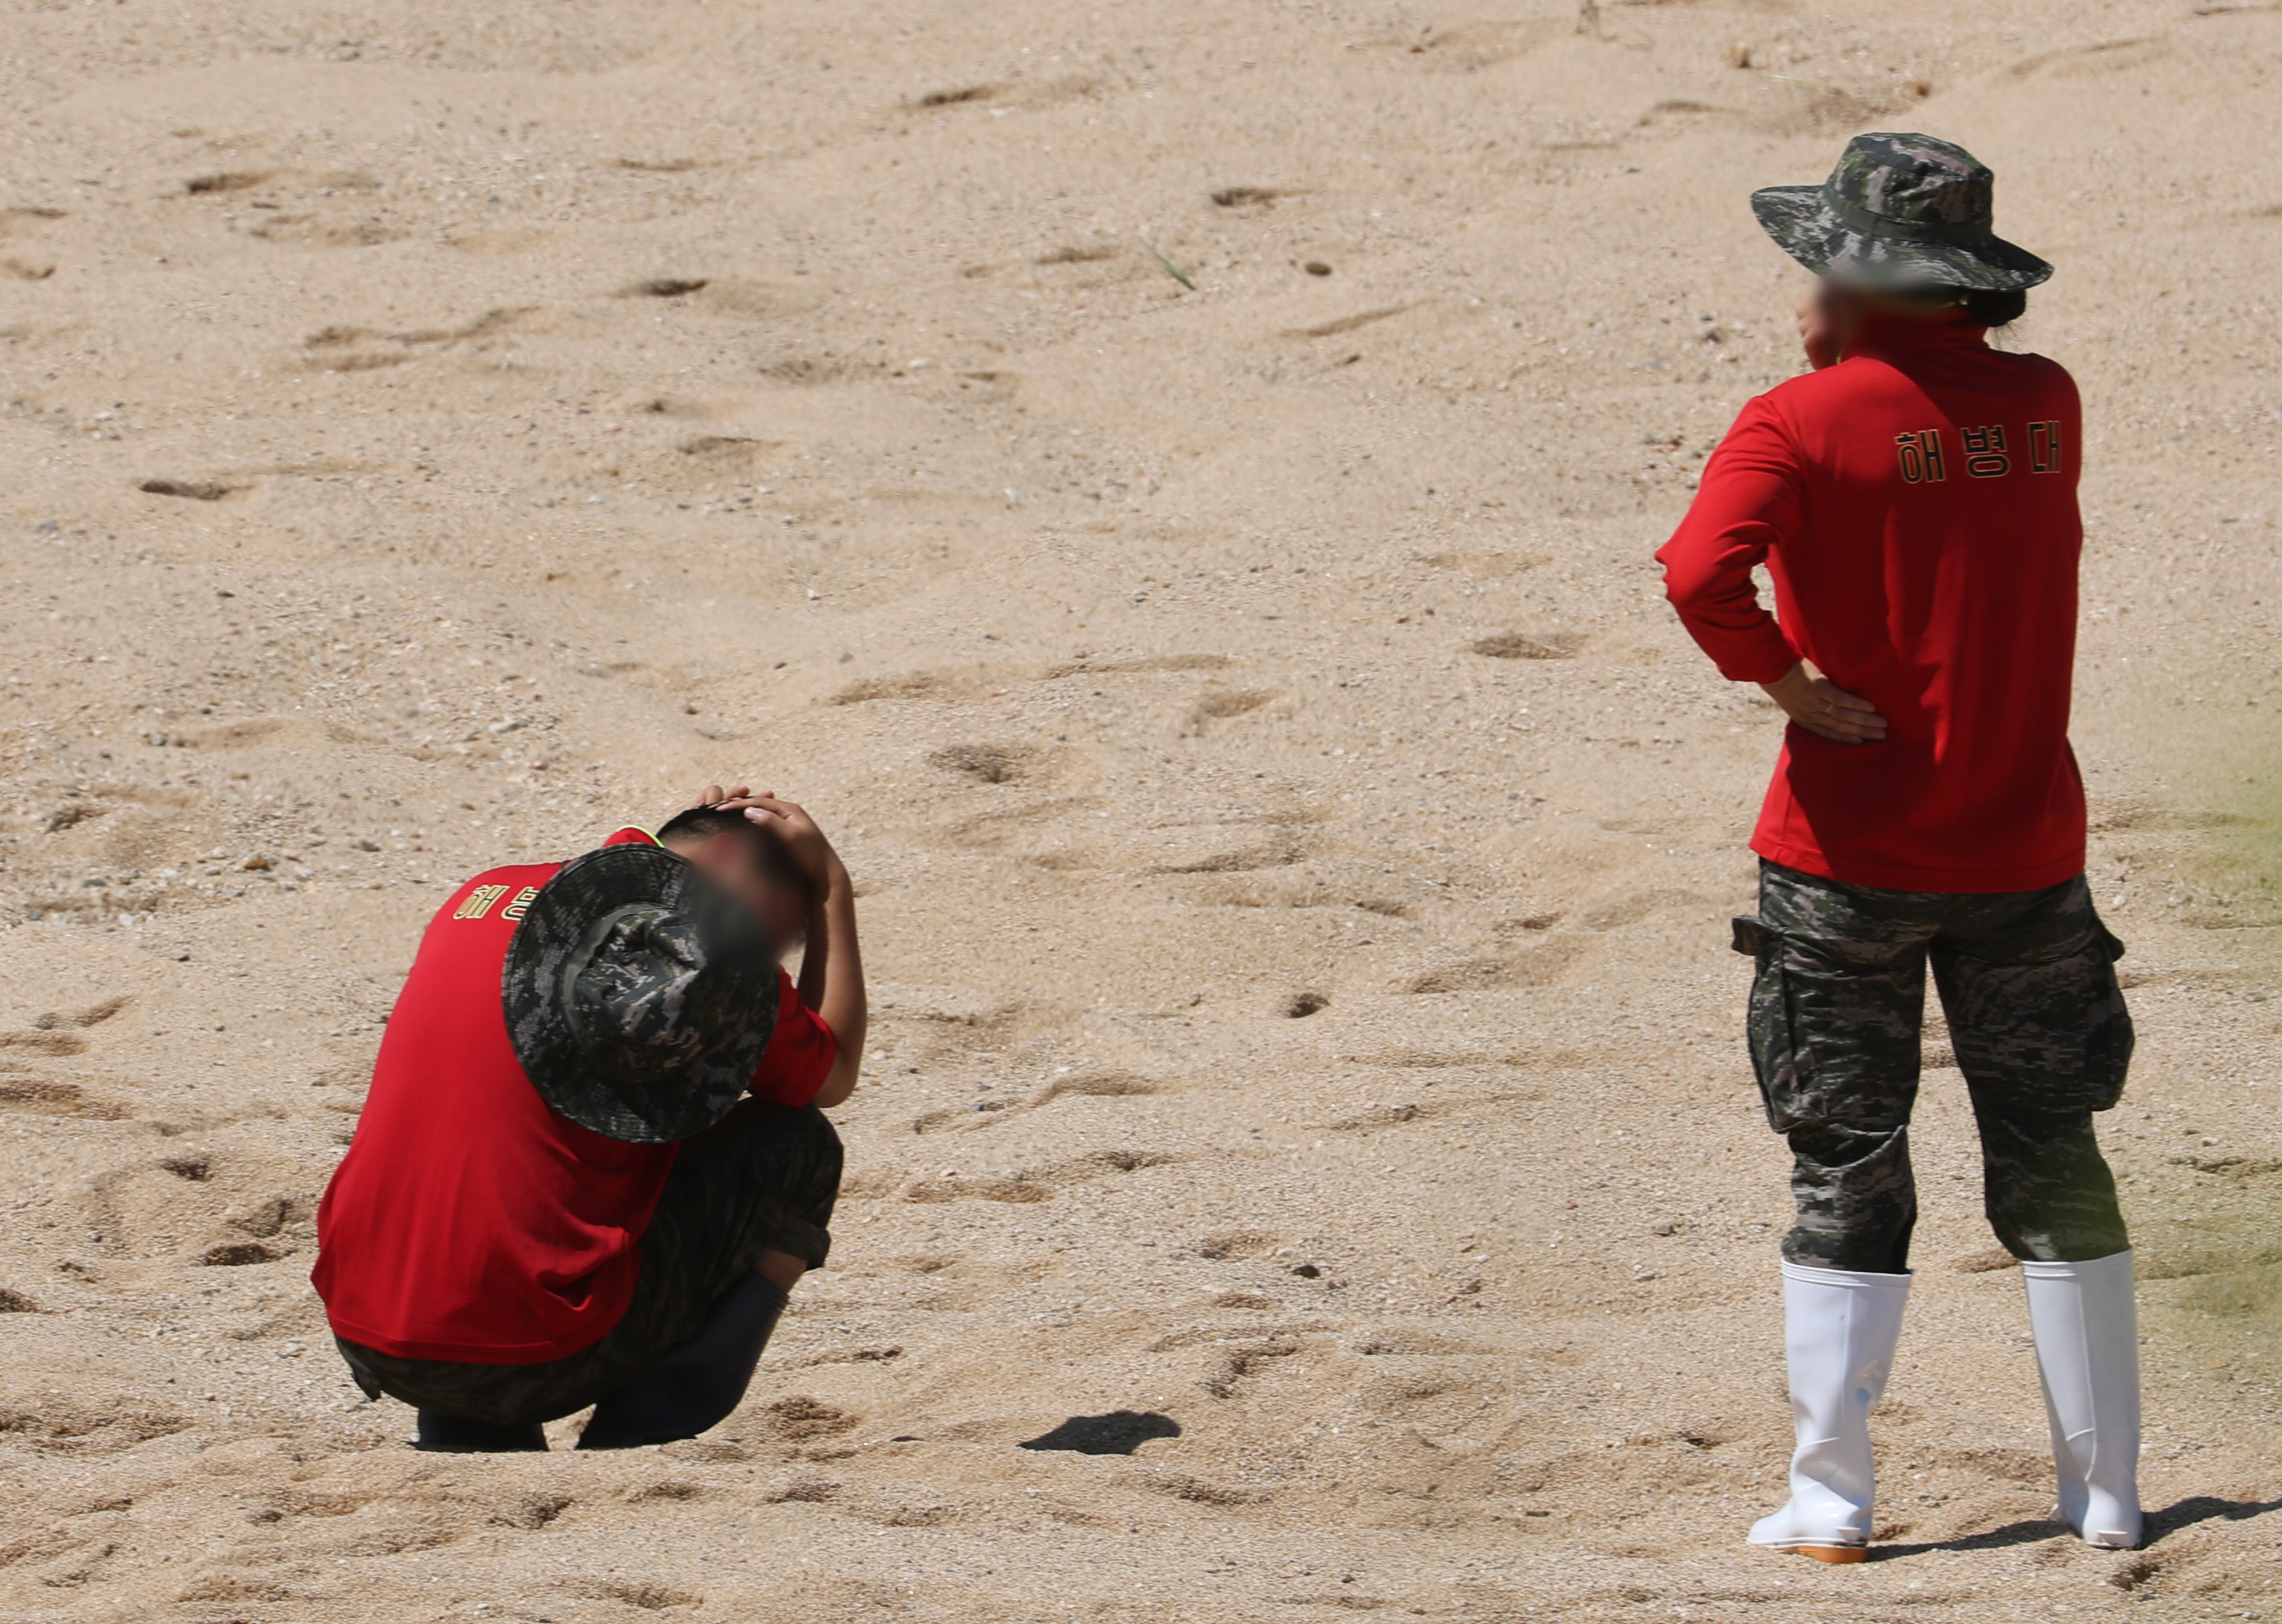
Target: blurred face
(1827,317)
(732,862)
(1832,313)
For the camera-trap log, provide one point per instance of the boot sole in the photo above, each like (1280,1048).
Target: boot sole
(1832,1553)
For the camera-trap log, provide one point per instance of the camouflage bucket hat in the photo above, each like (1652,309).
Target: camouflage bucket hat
(640,995)
(1899,211)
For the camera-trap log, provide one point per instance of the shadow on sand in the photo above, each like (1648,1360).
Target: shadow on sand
(1119,1433)
(2161,1525)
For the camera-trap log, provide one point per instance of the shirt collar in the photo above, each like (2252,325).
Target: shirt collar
(1885,333)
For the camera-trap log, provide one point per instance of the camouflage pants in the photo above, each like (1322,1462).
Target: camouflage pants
(2036,1018)
(763,1178)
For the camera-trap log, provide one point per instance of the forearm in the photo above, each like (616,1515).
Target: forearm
(1722,612)
(1746,509)
(1708,579)
(832,981)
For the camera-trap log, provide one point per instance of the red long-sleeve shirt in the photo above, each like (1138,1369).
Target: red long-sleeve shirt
(1915,505)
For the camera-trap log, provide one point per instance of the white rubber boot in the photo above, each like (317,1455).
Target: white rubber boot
(2087,1334)
(1839,1332)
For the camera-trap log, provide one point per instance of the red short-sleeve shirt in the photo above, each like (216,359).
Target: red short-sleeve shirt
(469,1221)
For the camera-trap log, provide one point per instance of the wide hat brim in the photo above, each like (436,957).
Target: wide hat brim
(1806,225)
(726,1010)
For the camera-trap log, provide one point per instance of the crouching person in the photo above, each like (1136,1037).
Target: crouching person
(593,1159)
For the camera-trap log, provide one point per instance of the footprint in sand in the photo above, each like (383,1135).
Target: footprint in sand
(906,685)
(194,490)
(1470,48)
(357,349)
(993,1113)
(1025,1186)
(1203,1491)
(634,1593)
(961,96)
(1380,1116)
(1527,646)
(315,231)
(1349,323)
(1249,196)
(225,181)
(721,456)
(799,1418)
(985,764)
(263,1216)
(42,1042)
(1280,853)
(1228,1367)
(666,287)
(60,1427)
(39,1097)
(238,1254)
(1541,967)
(1089,665)
(1219,704)
(235,1587)
(688,406)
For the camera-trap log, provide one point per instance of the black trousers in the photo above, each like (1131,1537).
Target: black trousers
(762,1179)
(2036,1017)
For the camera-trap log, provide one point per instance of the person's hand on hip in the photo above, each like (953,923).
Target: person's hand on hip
(1820,706)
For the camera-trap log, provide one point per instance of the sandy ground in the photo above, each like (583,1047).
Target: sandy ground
(1172,487)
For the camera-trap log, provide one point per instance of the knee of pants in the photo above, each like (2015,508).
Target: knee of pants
(1857,1199)
(2083,1225)
(1881,1249)
(799,1140)
(1839,1233)
(2052,1197)
(822,1137)
(820,1149)
(806,1155)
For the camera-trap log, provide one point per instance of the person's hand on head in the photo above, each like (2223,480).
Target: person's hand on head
(799,832)
(1820,706)
(714,795)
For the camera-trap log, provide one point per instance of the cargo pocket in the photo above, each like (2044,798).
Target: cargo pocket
(2108,1035)
(1780,1057)
(2054,1037)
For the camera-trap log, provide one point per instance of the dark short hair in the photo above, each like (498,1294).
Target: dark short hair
(1995,306)
(769,849)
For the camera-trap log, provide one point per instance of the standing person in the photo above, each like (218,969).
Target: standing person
(593,1159)
(1914,498)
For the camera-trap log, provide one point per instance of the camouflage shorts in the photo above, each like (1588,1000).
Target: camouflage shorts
(2036,1022)
(764,1178)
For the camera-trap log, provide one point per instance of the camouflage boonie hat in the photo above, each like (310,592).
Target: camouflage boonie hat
(639,995)
(1899,211)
